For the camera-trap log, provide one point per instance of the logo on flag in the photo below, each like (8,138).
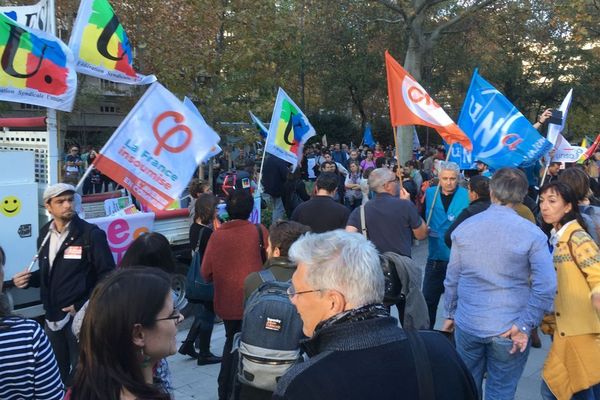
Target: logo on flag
(289,130)
(157,148)
(101,46)
(501,135)
(411,105)
(35,67)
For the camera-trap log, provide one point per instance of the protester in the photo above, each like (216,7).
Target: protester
(355,349)
(195,189)
(274,175)
(368,162)
(153,250)
(322,213)
(579,181)
(282,235)
(331,167)
(479,198)
(483,169)
(498,284)
(235,250)
(552,174)
(353,195)
(74,256)
(390,220)
(339,156)
(444,208)
(28,369)
(294,192)
(204,315)
(339,166)
(571,369)
(129,326)
(72,167)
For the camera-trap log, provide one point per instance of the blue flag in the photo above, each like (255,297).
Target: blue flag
(501,135)
(461,156)
(368,136)
(259,125)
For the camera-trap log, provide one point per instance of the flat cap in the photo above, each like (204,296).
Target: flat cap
(56,190)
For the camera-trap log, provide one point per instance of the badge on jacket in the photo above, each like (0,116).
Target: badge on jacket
(73,253)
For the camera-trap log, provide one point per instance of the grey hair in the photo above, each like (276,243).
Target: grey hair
(342,261)
(449,166)
(379,177)
(508,186)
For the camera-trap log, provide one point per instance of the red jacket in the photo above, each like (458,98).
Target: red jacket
(231,255)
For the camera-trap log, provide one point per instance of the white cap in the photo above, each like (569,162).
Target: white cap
(56,190)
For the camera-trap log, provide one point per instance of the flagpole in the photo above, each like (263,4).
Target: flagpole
(437,189)
(398,169)
(262,162)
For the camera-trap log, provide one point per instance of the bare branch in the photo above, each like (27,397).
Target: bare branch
(394,7)
(389,21)
(458,18)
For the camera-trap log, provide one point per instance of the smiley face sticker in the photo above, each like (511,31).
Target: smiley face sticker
(10,206)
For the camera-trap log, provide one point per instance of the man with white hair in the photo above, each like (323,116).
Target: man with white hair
(356,349)
(447,203)
(390,220)
(499,283)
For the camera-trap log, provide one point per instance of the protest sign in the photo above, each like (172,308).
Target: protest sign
(157,148)
(122,231)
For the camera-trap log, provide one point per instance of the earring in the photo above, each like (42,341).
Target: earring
(145,359)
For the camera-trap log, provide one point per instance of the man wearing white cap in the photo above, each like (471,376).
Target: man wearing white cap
(73,256)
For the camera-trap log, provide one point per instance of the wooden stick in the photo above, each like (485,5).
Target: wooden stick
(437,189)
(398,164)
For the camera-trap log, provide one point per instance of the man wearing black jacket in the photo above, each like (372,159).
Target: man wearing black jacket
(74,256)
(479,197)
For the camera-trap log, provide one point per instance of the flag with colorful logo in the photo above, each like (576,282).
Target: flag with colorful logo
(591,150)
(36,68)
(368,136)
(262,130)
(289,130)
(189,104)
(565,152)
(411,105)
(157,148)
(501,135)
(101,46)
(36,16)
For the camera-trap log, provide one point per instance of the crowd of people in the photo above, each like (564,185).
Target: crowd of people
(508,254)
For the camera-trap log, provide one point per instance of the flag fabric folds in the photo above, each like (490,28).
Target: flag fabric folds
(157,148)
(592,149)
(565,152)
(501,135)
(289,130)
(101,46)
(411,105)
(368,136)
(37,68)
(553,129)
(216,148)
(262,130)
(36,16)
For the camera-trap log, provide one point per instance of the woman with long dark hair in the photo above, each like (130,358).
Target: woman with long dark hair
(129,326)
(571,368)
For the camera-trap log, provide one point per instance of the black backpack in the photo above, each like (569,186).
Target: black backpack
(269,342)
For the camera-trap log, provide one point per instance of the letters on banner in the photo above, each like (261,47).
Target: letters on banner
(157,148)
(37,16)
(122,231)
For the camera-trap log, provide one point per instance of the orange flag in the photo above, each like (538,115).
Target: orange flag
(411,105)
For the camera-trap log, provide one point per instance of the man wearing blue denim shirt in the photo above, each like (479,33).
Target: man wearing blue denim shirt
(499,282)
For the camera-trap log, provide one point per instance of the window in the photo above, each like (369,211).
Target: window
(108,85)
(110,109)
(30,107)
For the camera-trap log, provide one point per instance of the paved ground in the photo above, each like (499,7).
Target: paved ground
(193,382)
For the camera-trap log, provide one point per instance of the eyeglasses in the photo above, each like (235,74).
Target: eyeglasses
(291,292)
(175,317)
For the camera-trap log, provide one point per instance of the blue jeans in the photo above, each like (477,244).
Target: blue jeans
(592,393)
(276,205)
(433,286)
(491,355)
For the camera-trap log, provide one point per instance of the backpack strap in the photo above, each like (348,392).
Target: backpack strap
(422,364)
(266,275)
(261,243)
(363,222)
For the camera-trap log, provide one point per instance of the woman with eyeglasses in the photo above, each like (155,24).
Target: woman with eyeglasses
(130,325)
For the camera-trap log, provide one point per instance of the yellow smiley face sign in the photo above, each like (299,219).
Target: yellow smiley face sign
(10,206)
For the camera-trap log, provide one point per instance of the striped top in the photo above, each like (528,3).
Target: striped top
(28,369)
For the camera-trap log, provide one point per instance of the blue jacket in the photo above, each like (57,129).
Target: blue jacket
(441,220)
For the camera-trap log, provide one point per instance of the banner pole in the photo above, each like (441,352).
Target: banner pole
(398,165)
(262,162)
(437,188)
